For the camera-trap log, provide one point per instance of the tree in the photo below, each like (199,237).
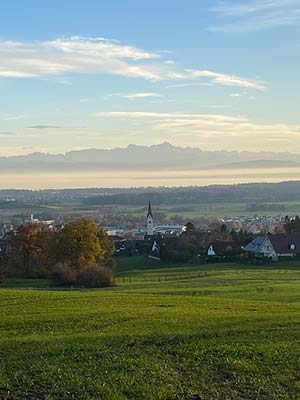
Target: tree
(6,255)
(190,227)
(82,244)
(187,247)
(223,229)
(292,225)
(108,248)
(82,252)
(26,243)
(31,242)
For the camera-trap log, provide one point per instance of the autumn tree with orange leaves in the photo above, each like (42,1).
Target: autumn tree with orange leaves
(32,243)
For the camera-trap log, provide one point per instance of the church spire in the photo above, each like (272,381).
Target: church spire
(149,210)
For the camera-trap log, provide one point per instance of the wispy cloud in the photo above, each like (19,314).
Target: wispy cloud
(240,16)
(134,96)
(242,94)
(229,8)
(230,130)
(39,127)
(59,128)
(227,80)
(7,133)
(74,55)
(13,117)
(167,116)
(189,84)
(80,55)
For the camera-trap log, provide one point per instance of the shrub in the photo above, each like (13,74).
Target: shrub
(90,277)
(96,276)
(63,274)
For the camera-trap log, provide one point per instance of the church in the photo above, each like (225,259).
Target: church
(165,230)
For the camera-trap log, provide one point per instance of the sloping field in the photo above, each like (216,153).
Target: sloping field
(223,331)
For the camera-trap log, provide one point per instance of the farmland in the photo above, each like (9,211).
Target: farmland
(214,201)
(168,214)
(215,331)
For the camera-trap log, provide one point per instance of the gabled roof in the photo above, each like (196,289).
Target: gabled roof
(256,245)
(282,242)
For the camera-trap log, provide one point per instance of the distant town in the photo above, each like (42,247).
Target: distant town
(257,236)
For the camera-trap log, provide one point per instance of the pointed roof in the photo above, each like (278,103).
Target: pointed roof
(255,245)
(149,210)
(282,243)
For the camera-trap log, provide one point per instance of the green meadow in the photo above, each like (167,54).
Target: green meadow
(215,331)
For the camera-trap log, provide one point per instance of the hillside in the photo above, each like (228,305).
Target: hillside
(181,332)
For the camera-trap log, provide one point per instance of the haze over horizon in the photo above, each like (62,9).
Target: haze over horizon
(215,75)
(140,166)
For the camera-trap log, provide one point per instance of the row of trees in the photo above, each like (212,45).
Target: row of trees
(192,244)
(79,253)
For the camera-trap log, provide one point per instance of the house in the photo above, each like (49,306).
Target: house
(261,246)
(286,244)
(275,245)
(253,229)
(223,248)
(154,251)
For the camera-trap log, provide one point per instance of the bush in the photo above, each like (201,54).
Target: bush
(63,274)
(90,277)
(96,276)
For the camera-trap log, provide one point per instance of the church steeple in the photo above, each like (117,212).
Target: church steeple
(149,220)
(149,210)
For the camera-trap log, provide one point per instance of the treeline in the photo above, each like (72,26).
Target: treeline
(80,253)
(251,193)
(192,244)
(215,194)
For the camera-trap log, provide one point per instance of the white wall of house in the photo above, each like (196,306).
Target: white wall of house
(210,251)
(267,250)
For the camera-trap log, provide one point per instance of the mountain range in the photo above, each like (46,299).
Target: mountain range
(163,156)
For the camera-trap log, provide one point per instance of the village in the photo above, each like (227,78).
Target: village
(255,238)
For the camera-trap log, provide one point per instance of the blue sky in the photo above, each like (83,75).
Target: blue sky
(103,74)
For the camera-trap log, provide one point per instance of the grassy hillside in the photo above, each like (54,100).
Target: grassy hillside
(166,332)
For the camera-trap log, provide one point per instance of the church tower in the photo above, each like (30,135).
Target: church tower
(149,221)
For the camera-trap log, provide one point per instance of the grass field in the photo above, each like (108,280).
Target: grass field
(223,331)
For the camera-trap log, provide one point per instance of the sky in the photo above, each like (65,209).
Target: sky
(219,75)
